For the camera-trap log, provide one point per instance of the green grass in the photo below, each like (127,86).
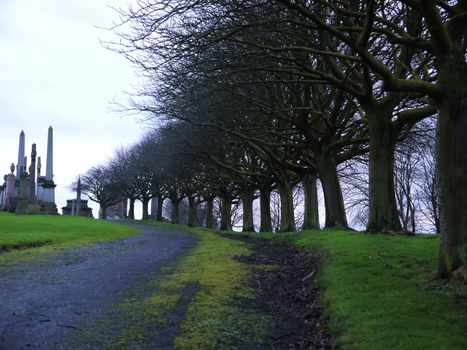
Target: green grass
(380,291)
(215,317)
(19,233)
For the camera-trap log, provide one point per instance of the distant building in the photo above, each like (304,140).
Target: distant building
(117,211)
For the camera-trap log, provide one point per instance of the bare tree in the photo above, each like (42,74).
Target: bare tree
(427,191)
(97,184)
(122,168)
(405,171)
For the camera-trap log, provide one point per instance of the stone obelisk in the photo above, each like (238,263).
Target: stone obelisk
(19,169)
(48,187)
(78,197)
(49,168)
(32,176)
(21,150)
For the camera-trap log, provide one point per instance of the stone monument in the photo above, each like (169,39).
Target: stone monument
(9,200)
(21,149)
(47,202)
(32,176)
(27,193)
(40,180)
(22,205)
(2,192)
(78,206)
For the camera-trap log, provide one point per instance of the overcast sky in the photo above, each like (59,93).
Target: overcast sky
(54,71)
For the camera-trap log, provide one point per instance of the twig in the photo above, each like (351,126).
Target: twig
(66,326)
(308,276)
(282,335)
(259,284)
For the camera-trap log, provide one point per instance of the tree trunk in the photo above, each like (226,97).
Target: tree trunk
(435,206)
(131,210)
(451,155)
(191,211)
(383,215)
(160,202)
(412,217)
(145,202)
(333,200)
(311,212)
(248,196)
(265,208)
(226,206)
(153,208)
(103,212)
(175,214)
(287,209)
(209,213)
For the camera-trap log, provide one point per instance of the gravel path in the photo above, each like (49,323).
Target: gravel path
(45,301)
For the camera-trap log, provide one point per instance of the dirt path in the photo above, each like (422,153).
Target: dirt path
(73,299)
(45,302)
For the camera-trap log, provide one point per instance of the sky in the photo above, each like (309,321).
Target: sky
(55,72)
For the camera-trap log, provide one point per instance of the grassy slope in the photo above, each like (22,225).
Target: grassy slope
(380,292)
(52,232)
(213,320)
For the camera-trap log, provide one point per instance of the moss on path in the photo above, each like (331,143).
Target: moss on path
(192,303)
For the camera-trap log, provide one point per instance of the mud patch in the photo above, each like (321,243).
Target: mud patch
(5,248)
(288,292)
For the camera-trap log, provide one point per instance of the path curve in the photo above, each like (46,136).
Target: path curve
(44,301)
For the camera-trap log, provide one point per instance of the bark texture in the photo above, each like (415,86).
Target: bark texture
(333,199)
(131,210)
(287,209)
(191,211)
(226,220)
(265,208)
(103,212)
(175,214)
(160,202)
(209,213)
(145,202)
(452,165)
(248,196)
(311,212)
(383,215)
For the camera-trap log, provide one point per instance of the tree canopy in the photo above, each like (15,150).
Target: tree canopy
(259,96)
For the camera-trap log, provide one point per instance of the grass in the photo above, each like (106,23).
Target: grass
(215,317)
(380,291)
(49,233)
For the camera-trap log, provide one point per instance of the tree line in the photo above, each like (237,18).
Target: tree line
(269,94)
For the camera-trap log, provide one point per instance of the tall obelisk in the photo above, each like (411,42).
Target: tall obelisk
(32,176)
(48,187)
(78,197)
(49,172)
(21,150)
(19,169)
